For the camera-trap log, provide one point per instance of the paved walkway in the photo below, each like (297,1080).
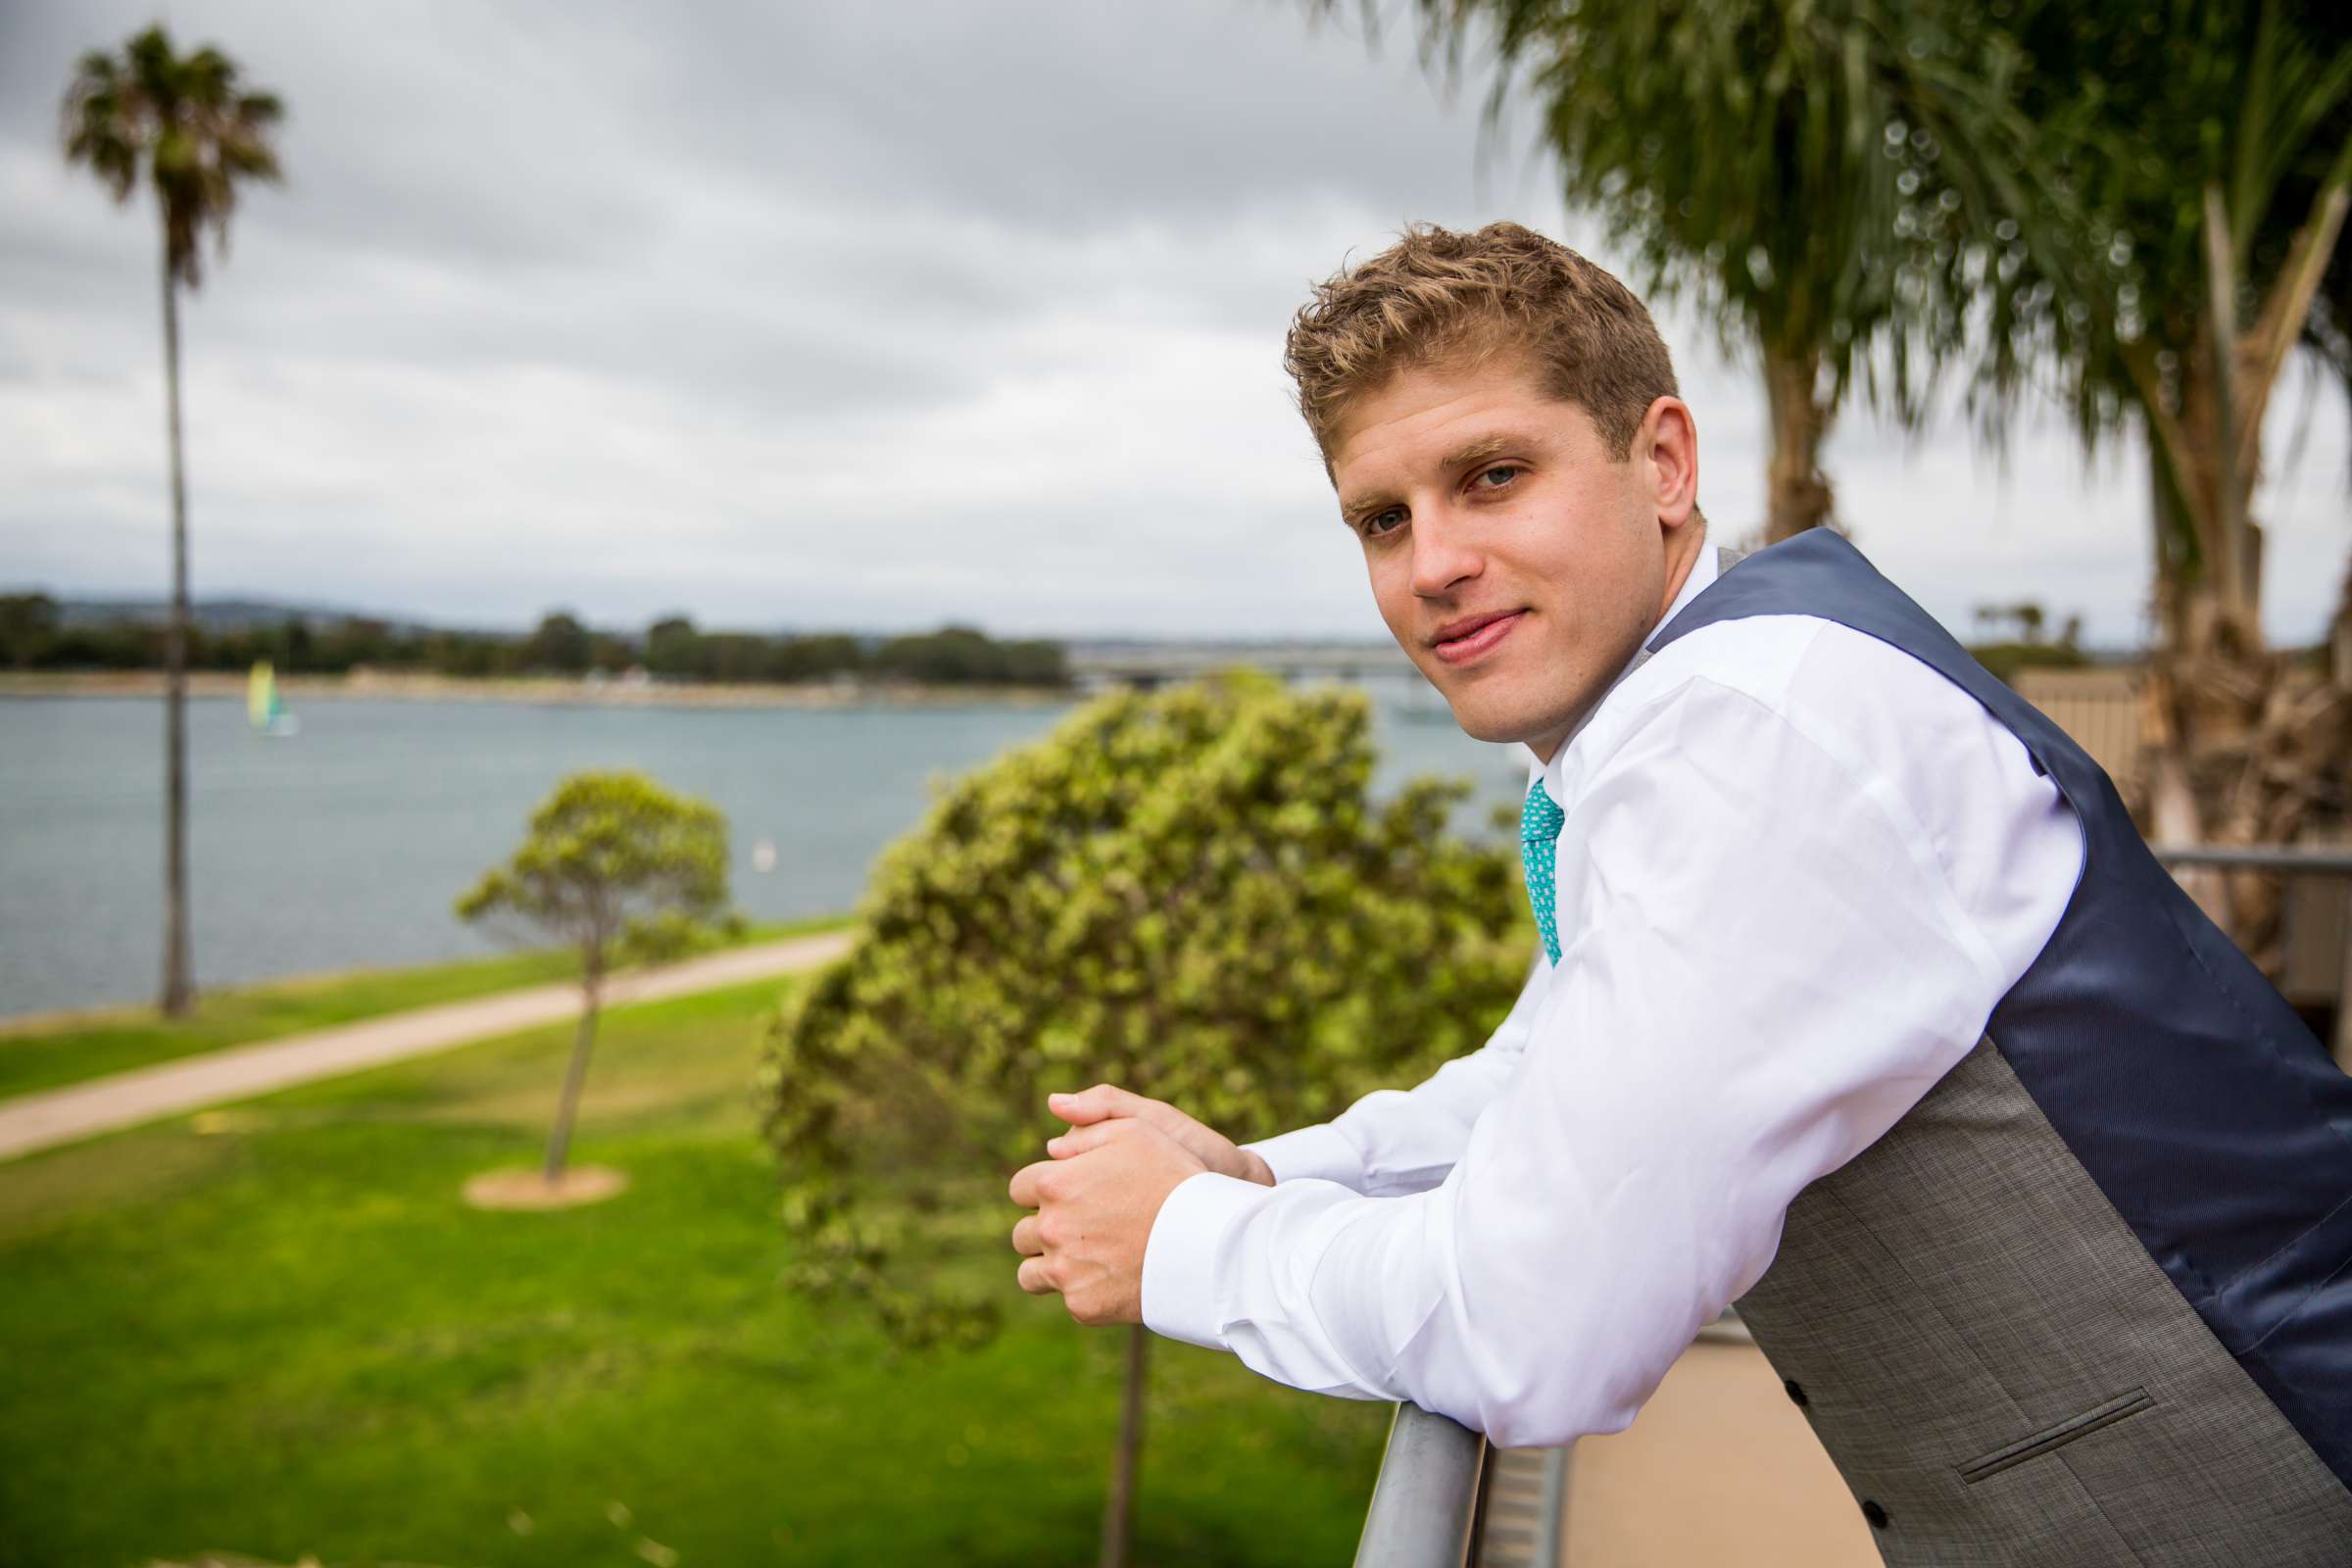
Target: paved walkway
(55,1116)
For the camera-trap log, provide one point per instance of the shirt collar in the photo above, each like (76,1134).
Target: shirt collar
(1703,573)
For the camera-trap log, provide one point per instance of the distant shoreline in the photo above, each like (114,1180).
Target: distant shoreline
(219,685)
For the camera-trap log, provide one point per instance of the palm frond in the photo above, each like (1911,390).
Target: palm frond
(183,124)
(1757,157)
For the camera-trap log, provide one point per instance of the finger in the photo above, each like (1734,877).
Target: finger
(1033,1278)
(1078,1140)
(1096,1104)
(1025,1188)
(1025,1238)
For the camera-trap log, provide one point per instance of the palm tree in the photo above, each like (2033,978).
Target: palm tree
(2174,181)
(184,124)
(1777,161)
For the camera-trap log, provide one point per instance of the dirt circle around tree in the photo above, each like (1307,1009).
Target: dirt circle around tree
(520,1188)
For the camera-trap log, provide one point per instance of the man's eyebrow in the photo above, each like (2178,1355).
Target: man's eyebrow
(1468,455)
(1478,451)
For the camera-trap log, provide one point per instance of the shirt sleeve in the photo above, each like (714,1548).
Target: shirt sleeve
(1405,1140)
(1764,968)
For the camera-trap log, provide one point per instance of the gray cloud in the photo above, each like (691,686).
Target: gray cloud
(843,315)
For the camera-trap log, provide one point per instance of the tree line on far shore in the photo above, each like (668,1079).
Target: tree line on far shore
(35,634)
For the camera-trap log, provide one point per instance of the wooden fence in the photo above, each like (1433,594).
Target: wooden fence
(2100,709)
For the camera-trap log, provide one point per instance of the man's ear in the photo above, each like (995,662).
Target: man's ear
(1667,444)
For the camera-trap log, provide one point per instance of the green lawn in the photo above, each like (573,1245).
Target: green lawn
(111,1039)
(277,1331)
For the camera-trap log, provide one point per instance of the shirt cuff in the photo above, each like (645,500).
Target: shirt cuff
(1180,1256)
(1321,1152)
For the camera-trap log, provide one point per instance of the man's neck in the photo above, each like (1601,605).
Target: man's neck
(1677,572)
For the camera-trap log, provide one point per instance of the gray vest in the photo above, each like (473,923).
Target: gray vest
(2090,1302)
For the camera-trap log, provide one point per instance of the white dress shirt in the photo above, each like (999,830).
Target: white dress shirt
(1799,869)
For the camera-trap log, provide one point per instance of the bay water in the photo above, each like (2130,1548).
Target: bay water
(344,846)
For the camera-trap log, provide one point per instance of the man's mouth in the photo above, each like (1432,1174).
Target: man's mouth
(1458,642)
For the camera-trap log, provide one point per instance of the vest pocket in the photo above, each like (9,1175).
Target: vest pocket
(2050,1438)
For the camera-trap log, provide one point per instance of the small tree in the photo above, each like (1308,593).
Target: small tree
(673,648)
(622,872)
(29,626)
(1191,894)
(561,643)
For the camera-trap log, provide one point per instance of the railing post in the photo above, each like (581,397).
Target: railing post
(1551,1529)
(1425,1502)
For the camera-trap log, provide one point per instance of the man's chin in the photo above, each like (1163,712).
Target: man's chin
(1497,702)
(1482,718)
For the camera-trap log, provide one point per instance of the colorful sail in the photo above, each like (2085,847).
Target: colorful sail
(265,709)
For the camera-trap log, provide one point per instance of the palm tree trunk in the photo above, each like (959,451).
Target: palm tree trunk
(2242,745)
(179,985)
(1797,495)
(2175,814)
(1118,1509)
(2339,639)
(2227,562)
(558,1138)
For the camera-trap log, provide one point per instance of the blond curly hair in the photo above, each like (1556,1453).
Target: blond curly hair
(1444,298)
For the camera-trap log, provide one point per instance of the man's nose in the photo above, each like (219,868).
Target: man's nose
(1445,554)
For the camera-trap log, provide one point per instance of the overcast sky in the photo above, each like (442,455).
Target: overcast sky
(847,314)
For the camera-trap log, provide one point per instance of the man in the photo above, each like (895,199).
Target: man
(1860,1004)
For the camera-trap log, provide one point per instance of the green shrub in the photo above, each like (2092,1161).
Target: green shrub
(1191,894)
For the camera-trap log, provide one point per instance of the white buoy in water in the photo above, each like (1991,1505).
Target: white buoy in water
(764,855)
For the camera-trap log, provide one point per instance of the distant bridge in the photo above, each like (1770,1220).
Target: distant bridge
(1145,667)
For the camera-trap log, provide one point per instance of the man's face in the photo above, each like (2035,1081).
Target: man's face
(1517,560)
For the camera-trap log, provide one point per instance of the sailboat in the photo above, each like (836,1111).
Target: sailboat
(265,709)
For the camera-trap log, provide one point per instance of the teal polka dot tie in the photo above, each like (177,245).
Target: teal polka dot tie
(1539,846)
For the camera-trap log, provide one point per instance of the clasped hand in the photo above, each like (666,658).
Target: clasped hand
(1096,1198)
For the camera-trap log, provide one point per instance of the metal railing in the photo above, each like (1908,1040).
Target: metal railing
(1447,1498)
(2286,861)
(1426,1502)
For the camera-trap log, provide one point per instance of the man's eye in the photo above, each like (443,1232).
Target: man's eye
(1497,476)
(1380,523)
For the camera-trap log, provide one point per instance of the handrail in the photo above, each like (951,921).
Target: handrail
(2306,862)
(2287,861)
(1425,1501)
